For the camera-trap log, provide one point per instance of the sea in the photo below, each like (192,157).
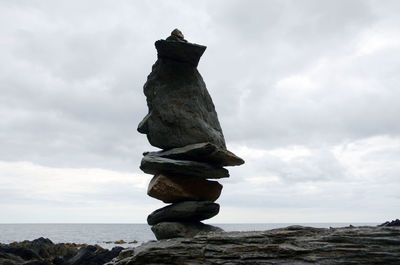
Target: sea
(105,235)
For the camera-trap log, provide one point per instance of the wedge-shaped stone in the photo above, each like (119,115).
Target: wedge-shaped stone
(171,189)
(155,165)
(202,152)
(189,211)
(181,110)
(180,51)
(167,230)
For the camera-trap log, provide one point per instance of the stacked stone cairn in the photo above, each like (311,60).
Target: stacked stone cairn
(182,121)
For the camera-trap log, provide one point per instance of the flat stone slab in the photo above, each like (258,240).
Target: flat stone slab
(189,211)
(180,51)
(291,245)
(201,152)
(155,165)
(171,189)
(167,230)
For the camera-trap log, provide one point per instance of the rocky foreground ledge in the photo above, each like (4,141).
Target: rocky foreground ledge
(291,245)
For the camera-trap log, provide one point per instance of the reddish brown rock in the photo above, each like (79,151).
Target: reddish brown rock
(171,189)
(177,33)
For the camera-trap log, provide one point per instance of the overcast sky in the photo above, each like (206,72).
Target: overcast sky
(307,92)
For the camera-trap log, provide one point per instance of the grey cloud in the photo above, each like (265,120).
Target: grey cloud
(328,30)
(91,82)
(92,74)
(72,74)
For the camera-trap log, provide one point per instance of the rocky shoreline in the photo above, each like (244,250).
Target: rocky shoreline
(43,251)
(290,245)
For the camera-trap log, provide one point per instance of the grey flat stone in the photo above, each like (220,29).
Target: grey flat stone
(167,230)
(189,211)
(155,165)
(202,152)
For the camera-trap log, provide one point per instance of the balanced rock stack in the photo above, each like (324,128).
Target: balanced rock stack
(183,122)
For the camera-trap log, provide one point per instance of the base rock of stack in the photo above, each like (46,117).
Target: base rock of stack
(167,230)
(188,211)
(201,152)
(154,165)
(172,189)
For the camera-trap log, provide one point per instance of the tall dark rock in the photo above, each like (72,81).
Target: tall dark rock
(181,111)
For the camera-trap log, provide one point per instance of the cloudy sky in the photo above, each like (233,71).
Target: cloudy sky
(307,92)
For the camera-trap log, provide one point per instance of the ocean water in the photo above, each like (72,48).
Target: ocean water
(101,233)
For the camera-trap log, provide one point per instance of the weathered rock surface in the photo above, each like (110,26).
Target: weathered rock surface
(188,211)
(43,251)
(156,165)
(171,189)
(93,255)
(201,152)
(166,230)
(181,111)
(392,223)
(291,245)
